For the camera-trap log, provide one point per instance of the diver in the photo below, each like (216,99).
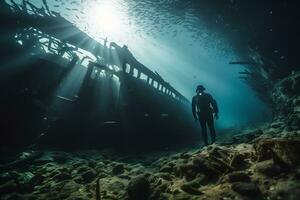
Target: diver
(204,109)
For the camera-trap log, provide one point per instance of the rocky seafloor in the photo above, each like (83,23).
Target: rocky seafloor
(261,167)
(260,163)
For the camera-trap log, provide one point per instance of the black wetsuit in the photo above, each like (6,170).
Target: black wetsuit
(203,105)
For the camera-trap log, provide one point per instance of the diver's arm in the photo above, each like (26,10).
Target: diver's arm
(215,106)
(194,107)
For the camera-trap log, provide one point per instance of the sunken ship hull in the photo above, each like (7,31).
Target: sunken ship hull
(53,95)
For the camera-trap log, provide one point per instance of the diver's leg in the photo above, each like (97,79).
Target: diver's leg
(211,126)
(202,121)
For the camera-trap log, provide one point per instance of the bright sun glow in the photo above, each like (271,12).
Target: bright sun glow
(106,20)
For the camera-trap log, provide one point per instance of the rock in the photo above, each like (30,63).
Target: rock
(5,177)
(78,180)
(214,150)
(171,164)
(182,196)
(267,168)
(67,188)
(60,159)
(62,176)
(203,165)
(42,161)
(297,174)
(165,176)
(201,179)
(8,187)
(83,168)
(37,179)
(281,150)
(238,177)
(14,175)
(263,150)
(185,155)
(238,161)
(88,176)
(166,168)
(194,183)
(118,169)
(289,190)
(138,188)
(156,194)
(247,189)
(188,188)
(124,176)
(92,164)
(247,137)
(277,124)
(25,188)
(24,160)
(186,170)
(211,166)
(116,186)
(162,188)
(25,178)
(21,183)
(160,196)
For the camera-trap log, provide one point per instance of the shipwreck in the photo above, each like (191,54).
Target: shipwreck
(62,88)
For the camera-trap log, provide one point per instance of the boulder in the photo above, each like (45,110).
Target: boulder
(283,151)
(138,188)
(212,166)
(185,155)
(62,176)
(238,176)
(166,168)
(37,179)
(267,168)
(88,176)
(246,189)
(203,165)
(118,169)
(289,190)
(189,171)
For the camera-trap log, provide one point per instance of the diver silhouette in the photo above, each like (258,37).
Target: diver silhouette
(204,109)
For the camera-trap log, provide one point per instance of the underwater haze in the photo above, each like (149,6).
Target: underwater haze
(173,38)
(149,99)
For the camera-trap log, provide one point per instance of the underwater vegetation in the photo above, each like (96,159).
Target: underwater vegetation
(96,100)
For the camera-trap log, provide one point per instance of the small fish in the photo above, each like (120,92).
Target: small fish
(110,122)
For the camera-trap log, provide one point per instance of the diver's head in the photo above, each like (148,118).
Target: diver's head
(200,89)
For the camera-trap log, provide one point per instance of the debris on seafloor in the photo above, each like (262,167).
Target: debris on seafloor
(258,164)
